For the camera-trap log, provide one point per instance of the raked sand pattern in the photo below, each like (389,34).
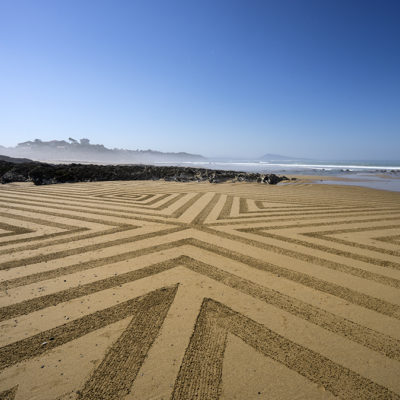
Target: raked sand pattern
(154,290)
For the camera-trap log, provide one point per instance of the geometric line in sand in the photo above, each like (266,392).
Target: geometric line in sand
(284,250)
(201,371)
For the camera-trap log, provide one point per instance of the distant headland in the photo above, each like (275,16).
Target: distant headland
(83,151)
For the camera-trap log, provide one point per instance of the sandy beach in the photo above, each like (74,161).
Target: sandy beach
(162,290)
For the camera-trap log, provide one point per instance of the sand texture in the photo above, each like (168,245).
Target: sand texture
(156,290)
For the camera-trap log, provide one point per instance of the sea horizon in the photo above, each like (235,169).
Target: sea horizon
(295,165)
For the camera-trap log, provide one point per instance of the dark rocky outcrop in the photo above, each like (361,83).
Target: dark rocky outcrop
(45,174)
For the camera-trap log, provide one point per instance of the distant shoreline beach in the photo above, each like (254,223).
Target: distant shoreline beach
(374,175)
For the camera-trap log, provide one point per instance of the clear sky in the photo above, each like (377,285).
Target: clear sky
(316,79)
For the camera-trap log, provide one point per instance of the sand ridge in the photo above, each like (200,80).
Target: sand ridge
(144,290)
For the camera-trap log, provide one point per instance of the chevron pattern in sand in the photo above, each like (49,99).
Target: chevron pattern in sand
(155,290)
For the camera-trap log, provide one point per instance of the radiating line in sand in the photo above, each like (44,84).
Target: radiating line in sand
(179,252)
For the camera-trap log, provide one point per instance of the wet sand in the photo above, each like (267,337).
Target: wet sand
(155,290)
(377,181)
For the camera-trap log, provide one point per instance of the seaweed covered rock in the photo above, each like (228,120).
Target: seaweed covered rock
(45,174)
(12,176)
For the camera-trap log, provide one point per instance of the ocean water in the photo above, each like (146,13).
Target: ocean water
(384,175)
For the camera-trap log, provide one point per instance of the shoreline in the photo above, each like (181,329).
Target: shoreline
(43,174)
(372,181)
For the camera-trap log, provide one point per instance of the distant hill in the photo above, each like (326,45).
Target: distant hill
(84,151)
(15,160)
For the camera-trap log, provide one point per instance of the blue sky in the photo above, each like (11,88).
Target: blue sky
(317,79)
